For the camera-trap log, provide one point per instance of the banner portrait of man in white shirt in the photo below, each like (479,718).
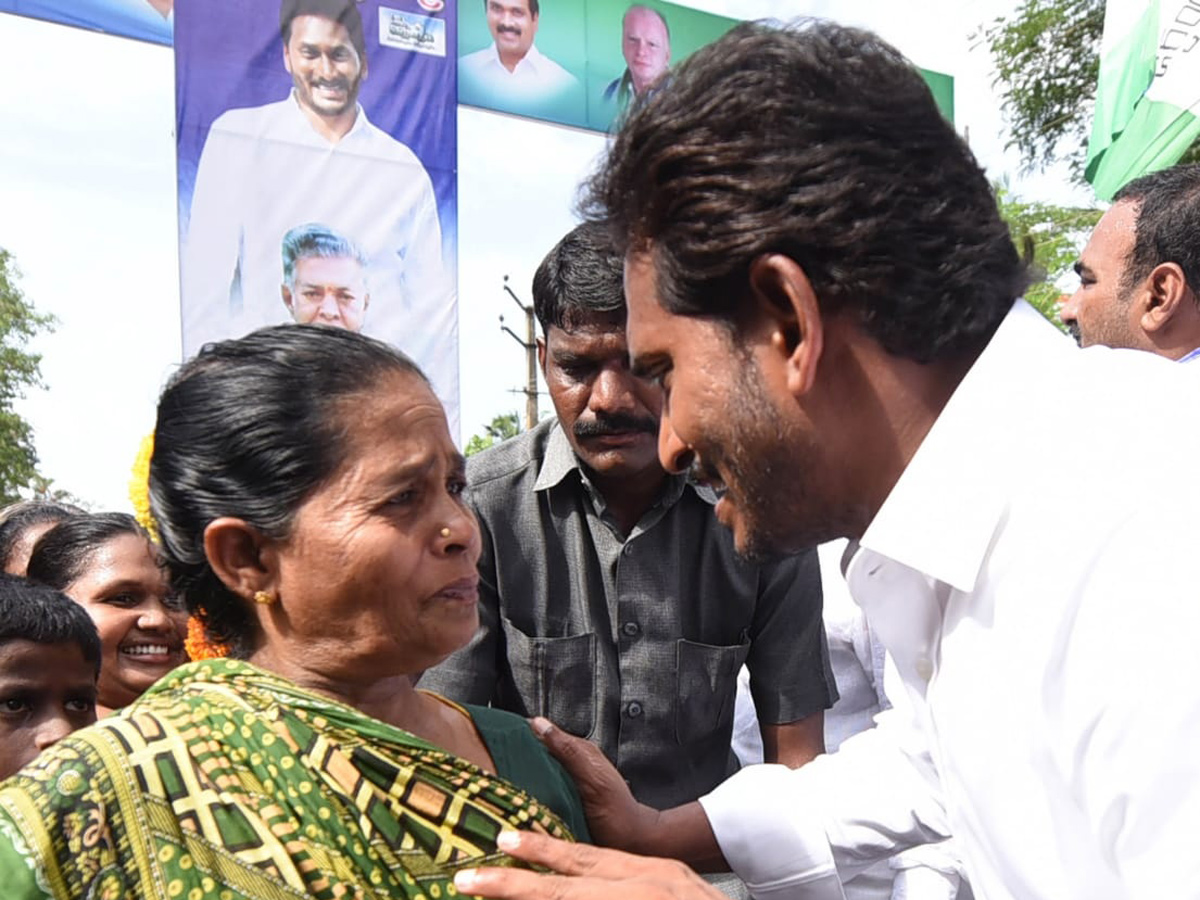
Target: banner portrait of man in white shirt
(315,156)
(511,73)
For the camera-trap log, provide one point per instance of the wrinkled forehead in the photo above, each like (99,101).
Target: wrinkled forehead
(593,339)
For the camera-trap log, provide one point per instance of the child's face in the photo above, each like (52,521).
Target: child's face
(46,692)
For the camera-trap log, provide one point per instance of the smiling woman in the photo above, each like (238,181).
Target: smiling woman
(309,501)
(107,564)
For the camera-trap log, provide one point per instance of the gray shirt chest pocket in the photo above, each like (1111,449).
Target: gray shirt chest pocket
(706,681)
(555,677)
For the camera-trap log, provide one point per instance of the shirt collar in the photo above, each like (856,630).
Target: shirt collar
(532,60)
(304,127)
(559,461)
(1191,357)
(940,516)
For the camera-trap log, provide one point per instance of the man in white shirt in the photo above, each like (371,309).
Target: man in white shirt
(818,276)
(311,157)
(1139,271)
(512,70)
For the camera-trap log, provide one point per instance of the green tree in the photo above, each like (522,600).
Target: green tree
(1046,59)
(19,371)
(1050,237)
(503,426)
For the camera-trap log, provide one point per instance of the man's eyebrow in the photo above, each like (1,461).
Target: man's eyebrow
(569,357)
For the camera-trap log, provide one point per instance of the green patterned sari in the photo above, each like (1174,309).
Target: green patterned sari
(226,782)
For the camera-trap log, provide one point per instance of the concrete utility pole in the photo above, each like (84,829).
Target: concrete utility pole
(530,345)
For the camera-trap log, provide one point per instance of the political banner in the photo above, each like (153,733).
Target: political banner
(1148,92)
(143,20)
(317,144)
(582,63)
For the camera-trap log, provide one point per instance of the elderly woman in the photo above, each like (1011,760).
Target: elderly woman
(107,564)
(309,502)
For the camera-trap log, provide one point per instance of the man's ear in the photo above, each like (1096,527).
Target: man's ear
(286,293)
(240,556)
(541,348)
(1162,295)
(787,308)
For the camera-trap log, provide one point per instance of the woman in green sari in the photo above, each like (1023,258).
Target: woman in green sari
(308,499)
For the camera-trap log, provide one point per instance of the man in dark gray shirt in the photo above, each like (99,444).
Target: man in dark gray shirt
(612,600)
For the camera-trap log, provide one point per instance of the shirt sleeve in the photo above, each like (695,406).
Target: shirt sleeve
(790,676)
(471,675)
(798,832)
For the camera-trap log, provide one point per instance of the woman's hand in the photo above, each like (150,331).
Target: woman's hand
(584,873)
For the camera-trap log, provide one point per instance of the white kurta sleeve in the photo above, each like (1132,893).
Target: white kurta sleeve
(796,833)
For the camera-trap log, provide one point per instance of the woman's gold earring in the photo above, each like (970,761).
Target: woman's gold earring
(264,597)
(446,532)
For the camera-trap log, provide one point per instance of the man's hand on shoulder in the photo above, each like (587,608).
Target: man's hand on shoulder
(616,819)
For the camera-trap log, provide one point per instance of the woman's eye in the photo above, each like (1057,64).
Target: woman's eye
(404,498)
(13,704)
(122,599)
(456,486)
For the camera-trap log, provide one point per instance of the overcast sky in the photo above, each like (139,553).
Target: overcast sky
(87,207)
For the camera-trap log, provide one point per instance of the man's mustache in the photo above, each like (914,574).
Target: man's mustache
(604,425)
(338,84)
(1073,328)
(508,29)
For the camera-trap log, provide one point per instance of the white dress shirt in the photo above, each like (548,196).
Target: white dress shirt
(536,78)
(265,170)
(1032,576)
(858,660)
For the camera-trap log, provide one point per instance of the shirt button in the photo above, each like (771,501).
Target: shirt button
(924,667)
(634,709)
(629,629)
(628,550)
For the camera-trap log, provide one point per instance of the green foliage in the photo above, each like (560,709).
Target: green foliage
(1047,58)
(1050,237)
(19,322)
(503,426)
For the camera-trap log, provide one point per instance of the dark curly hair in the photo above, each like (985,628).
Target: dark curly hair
(823,143)
(249,428)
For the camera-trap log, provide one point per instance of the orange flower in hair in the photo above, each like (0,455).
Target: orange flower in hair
(198,645)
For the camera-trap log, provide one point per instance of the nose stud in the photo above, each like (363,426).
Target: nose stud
(445,532)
